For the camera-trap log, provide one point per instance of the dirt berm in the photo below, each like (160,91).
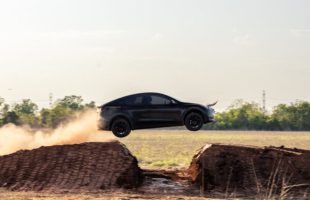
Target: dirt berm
(90,166)
(251,170)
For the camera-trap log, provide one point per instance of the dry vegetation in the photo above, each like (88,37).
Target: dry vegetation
(83,196)
(175,148)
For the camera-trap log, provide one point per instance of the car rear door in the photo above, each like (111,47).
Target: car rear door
(131,106)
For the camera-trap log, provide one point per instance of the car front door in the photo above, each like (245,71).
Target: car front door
(162,111)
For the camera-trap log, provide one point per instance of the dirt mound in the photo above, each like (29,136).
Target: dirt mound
(89,166)
(251,170)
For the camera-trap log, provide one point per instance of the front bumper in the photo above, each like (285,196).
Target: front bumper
(210,114)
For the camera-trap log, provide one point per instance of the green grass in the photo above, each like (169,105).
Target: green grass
(175,148)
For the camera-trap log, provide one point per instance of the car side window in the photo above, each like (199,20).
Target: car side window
(132,100)
(137,100)
(159,100)
(146,100)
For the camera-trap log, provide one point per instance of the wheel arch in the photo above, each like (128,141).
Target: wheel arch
(121,116)
(190,110)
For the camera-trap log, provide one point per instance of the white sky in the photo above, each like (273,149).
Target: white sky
(197,51)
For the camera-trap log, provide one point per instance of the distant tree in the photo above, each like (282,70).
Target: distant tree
(45,118)
(26,112)
(4,109)
(63,110)
(91,104)
(25,107)
(241,116)
(11,117)
(72,102)
(60,115)
(295,116)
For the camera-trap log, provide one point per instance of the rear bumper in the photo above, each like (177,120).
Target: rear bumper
(102,124)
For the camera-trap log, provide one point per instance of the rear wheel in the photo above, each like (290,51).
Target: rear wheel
(193,121)
(121,127)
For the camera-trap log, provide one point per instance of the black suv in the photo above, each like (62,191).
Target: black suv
(151,110)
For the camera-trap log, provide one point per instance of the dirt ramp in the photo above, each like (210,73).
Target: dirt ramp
(251,170)
(89,166)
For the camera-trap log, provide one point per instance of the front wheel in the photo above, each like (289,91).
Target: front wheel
(193,121)
(121,128)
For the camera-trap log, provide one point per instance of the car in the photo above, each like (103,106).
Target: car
(152,110)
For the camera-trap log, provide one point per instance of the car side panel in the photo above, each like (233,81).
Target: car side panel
(161,116)
(137,115)
(110,114)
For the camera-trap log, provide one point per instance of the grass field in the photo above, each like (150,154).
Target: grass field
(175,148)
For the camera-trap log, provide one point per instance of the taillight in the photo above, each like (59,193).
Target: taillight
(104,109)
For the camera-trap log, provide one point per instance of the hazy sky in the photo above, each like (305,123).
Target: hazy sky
(197,51)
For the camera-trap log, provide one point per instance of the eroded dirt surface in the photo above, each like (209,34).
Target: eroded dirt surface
(168,182)
(109,171)
(248,170)
(88,166)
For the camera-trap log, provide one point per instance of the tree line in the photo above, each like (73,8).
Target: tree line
(28,113)
(239,116)
(250,116)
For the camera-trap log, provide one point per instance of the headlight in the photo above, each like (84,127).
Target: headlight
(211,112)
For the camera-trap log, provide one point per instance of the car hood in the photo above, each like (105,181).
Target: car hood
(193,104)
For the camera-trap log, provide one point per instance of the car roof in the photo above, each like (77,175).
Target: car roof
(148,93)
(143,93)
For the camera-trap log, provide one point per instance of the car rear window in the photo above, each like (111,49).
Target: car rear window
(132,100)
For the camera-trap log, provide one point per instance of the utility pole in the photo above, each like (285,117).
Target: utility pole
(51,99)
(264,100)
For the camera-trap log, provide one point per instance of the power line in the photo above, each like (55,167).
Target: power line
(51,99)
(264,101)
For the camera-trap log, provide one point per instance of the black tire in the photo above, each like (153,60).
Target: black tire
(121,127)
(193,121)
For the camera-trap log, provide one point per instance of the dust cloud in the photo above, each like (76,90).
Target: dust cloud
(82,129)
